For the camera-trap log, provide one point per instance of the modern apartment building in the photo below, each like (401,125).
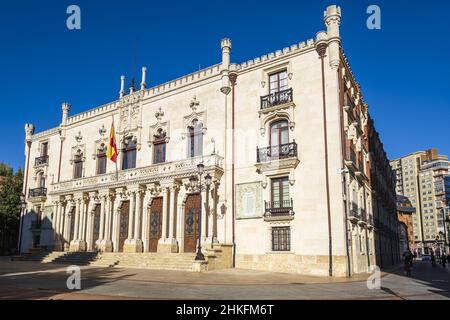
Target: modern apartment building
(421,178)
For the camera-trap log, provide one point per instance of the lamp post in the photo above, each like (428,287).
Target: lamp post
(197,183)
(21,206)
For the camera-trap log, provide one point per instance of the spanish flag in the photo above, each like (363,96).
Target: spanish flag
(112,148)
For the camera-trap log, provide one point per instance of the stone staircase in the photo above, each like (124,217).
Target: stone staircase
(155,261)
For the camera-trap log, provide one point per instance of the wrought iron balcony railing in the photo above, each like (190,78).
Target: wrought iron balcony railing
(36,224)
(279,208)
(282,151)
(276,99)
(40,161)
(37,192)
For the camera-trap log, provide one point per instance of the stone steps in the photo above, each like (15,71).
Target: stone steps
(154,261)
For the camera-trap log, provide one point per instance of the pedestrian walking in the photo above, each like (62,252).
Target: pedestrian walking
(443,260)
(448,258)
(433,259)
(408,259)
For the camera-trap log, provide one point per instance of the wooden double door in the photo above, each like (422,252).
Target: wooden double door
(123,225)
(96,226)
(191,222)
(155,223)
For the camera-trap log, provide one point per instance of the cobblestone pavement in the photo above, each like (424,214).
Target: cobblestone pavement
(30,280)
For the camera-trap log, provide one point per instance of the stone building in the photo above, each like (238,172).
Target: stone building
(405,211)
(284,143)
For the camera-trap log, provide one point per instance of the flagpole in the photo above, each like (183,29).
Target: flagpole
(117,170)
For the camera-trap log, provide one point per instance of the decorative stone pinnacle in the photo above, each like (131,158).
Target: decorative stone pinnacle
(225,43)
(332,15)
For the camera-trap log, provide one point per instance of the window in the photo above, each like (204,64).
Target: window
(41,180)
(78,167)
(278,82)
(280,193)
(129,155)
(44,149)
(195,139)
(279,133)
(281,239)
(159,143)
(101,160)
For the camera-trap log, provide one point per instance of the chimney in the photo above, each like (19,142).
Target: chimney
(65,112)
(226,48)
(122,86)
(332,19)
(144,74)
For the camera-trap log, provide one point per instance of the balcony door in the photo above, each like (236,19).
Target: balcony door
(278,82)
(279,138)
(280,193)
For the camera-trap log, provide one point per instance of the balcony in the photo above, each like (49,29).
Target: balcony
(179,170)
(37,192)
(283,151)
(279,209)
(36,225)
(276,99)
(41,161)
(354,213)
(350,158)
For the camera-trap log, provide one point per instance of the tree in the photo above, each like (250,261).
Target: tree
(10,190)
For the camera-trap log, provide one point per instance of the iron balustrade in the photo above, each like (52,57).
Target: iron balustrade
(37,192)
(277,98)
(39,161)
(36,224)
(279,208)
(282,151)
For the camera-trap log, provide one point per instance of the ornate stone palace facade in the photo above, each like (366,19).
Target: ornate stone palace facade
(284,138)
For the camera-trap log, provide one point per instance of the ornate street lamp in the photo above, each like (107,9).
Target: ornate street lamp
(22,205)
(197,183)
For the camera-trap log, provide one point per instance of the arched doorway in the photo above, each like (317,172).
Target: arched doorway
(96,226)
(155,223)
(123,224)
(191,217)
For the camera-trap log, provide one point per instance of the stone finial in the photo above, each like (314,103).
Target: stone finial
(321,43)
(332,19)
(144,75)
(122,86)
(65,112)
(225,44)
(29,131)
(332,15)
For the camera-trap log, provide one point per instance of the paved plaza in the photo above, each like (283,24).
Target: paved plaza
(31,280)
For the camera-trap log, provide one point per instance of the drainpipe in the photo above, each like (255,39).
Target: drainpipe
(233,77)
(321,47)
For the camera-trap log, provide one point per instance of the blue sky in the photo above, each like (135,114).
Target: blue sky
(403,69)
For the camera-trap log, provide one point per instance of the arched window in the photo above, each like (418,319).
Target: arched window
(195,138)
(101,159)
(129,155)
(159,150)
(279,133)
(78,166)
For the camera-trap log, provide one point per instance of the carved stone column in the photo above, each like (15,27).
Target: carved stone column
(162,246)
(105,244)
(146,221)
(56,224)
(172,241)
(101,237)
(134,243)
